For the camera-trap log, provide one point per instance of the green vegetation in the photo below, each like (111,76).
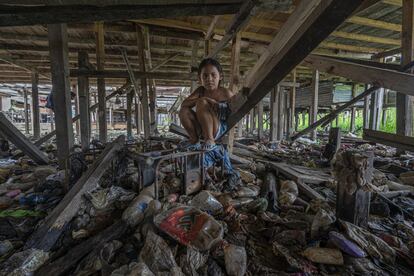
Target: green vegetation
(344,121)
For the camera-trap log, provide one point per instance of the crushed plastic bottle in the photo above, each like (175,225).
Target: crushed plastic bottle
(248,191)
(190,227)
(346,245)
(235,259)
(134,214)
(205,201)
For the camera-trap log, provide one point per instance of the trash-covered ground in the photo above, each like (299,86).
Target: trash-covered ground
(259,224)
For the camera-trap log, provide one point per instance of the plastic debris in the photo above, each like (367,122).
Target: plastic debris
(324,255)
(346,245)
(235,259)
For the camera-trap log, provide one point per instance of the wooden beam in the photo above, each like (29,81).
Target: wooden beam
(100,64)
(234,80)
(163,62)
(366,38)
(313,113)
(14,135)
(290,46)
(22,15)
(121,74)
(35,105)
(193,63)
(364,21)
(400,142)
(210,30)
(26,112)
(404,105)
(83,98)
(331,116)
(130,97)
(292,105)
(58,44)
(260,120)
(281,114)
(353,109)
(274,96)
(237,23)
(391,79)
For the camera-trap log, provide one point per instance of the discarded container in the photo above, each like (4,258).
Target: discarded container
(257,205)
(235,259)
(134,214)
(321,222)
(191,227)
(239,202)
(205,201)
(248,191)
(324,255)
(346,245)
(32,199)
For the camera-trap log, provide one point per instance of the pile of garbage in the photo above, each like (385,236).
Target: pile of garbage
(261,225)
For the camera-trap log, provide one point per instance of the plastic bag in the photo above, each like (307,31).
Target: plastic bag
(205,201)
(190,227)
(288,192)
(25,262)
(192,261)
(346,245)
(324,255)
(321,222)
(235,259)
(156,254)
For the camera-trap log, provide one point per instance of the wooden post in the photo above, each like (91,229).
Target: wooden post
(83,98)
(138,116)
(281,114)
(251,123)
(144,91)
(111,116)
(384,117)
(234,78)
(207,47)
(100,61)
(353,109)
(130,96)
(291,115)
(260,120)
(77,125)
(404,102)
(353,172)
(194,56)
(365,112)
(26,111)
(334,143)
(296,121)
(58,47)
(314,107)
(35,105)
(274,113)
(373,112)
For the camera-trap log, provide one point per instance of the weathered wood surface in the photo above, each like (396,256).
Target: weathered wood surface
(78,252)
(398,141)
(50,230)
(353,172)
(310,23)
(14,135)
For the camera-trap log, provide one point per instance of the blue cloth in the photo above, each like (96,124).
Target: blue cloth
(218,154)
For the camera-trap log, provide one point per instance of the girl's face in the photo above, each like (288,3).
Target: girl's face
(210,77)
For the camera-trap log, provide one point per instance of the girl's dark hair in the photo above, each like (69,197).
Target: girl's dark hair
(210,61)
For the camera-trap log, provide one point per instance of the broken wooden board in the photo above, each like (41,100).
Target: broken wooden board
(16,137)
(301,175)
(75,254)
(55,223)
(393,140)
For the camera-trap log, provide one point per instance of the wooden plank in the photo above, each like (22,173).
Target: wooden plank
(300,178)
(21,15)
(331,116)
(210,30)
(80,251)
(310,23)
(100,64)
(403,101)
(48,233)
(163,62)
(398,141)
(83,98)
(237,23)
(9,131)
(35,105)
(391,79)
(58,44)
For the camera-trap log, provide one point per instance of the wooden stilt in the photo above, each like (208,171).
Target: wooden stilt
(35,105)
(58,44)
(353,109)
(144,90)
(281,114)
(314,107)
(274,96)
(291,115)
(100,60)
(130,96)
(138,117)
(26,112)
(365,113)
(76,102)
(260,120)
(83,98)
(234,78)
(193,68)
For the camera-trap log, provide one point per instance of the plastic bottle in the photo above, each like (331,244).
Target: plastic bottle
(206,202)
(249,191)
(235,259)
(134,214)
(32,199)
